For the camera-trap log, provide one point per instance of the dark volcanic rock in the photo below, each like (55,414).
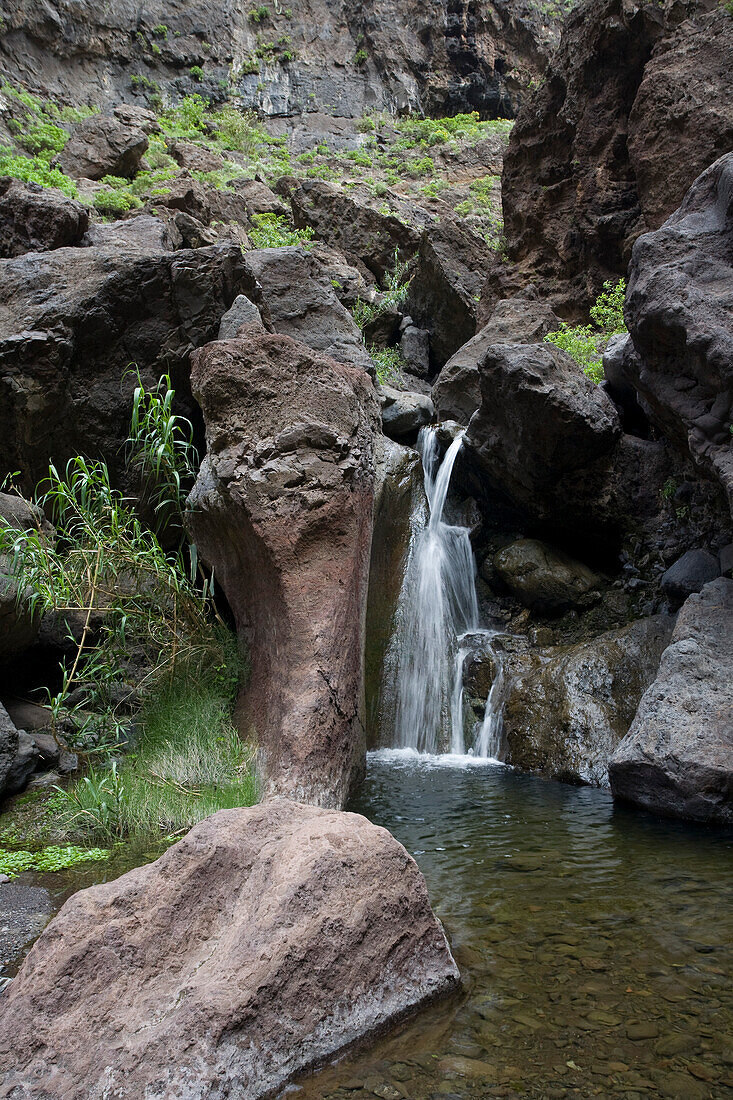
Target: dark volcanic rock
(282,510)
(566,715)
(38,219)
(302,303)
(677,758)
(353,225)
(682,118)
(689,574)
(679,309)
(575,198)
(518,320)
(101,146)
(542,426)
(404,412)
(445,289)
(72,321)
(8,747)
(17,627)
(543,578)
(261,944)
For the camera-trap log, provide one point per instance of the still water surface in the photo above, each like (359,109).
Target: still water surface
(595,943)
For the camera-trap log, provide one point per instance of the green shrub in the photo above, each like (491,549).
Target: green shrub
(273,231)
(259,15)
(112,202)
(586,343)
(608,311)
(35,170)
(361,57)
(388,363)
(197,72)
(43,137)
(160,31)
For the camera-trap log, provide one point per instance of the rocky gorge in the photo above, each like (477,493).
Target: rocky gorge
(367,422)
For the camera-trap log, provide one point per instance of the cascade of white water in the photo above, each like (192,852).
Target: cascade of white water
(437,607)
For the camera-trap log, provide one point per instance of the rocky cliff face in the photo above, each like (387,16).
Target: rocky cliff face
(440,56)
(635,104)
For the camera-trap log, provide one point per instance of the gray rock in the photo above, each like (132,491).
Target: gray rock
(38,219)
(18,629)
(445,289)
(518,320)
(241,312)
(26,912)
(689,574)
(8,747)
(302,303)
(259,946)
(101,146)
(542,426)
(543,578)
(404,412)
(726,560)
(415,348)
(679,309)
(24,764)
(677,758)
(567,714)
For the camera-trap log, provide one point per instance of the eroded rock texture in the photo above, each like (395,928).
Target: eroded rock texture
(636,102)
(565,716)
(38,219)
(264,941)
(440,56)
(282,509)
(677,758)
(679,310)
(74,321)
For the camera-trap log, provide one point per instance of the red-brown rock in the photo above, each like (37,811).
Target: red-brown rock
(282,510)
(263,942)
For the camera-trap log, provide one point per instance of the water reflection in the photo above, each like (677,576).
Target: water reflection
(595,942)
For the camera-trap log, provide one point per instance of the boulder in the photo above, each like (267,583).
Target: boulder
(542,425)
(38,219)
(103,146)
(415,350)
(587,168)
(302,304)
(259,198)
(404,413)
(353,224)
(8,747)
(445,289)
(518,320)
(679,310)
(677,758)
(73,320)
(689,574)
(565,716)
(261,944)
(282,511)
(543,578)
(241,312)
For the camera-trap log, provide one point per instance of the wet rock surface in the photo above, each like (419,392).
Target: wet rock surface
(282,510)
(677,758)
(565,717)
(187,985)
(543,578)
(404,412)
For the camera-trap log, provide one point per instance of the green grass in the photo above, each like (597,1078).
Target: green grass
(187,762)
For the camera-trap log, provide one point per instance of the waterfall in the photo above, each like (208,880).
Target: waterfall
(437,605)
(422,704)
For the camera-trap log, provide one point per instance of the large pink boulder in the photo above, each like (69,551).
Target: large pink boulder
(282,510)
(263,942)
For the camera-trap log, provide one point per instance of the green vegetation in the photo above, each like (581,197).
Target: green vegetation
(197,72)
(388,363)
(273,231)
(53,858)
(164,670)
(586,343)
(394,295)
(160,30)
(259,15)
(361,57)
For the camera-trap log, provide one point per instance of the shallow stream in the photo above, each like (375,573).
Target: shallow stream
(595,943)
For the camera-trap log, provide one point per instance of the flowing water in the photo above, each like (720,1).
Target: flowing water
(594,942)
(437,607)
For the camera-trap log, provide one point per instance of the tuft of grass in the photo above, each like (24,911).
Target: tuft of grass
(388,363)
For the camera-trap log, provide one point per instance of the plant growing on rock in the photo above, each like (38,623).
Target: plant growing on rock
(586,343)
(273,231)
